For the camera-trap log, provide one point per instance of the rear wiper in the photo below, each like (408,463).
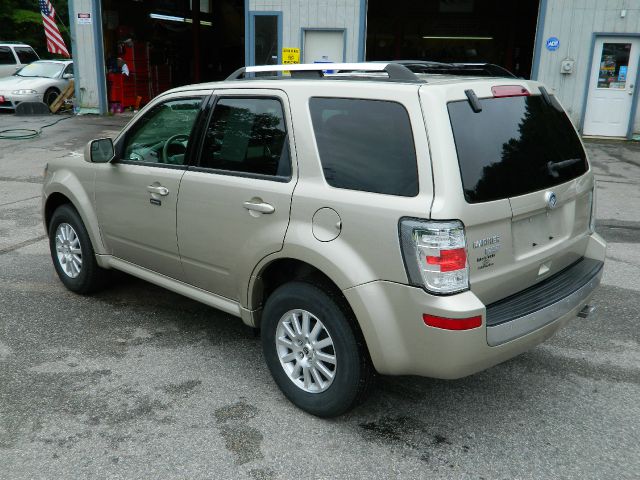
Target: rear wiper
(553,167)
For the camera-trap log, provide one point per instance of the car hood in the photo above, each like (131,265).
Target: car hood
(15,82)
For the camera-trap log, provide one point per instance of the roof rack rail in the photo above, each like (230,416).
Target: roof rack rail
(396,72)
(463,69)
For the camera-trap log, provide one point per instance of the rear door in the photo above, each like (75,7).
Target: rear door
(526,201)
(234,204)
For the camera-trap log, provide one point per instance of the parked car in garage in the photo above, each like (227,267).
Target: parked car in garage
(414,224)
(14,56)
(40,81)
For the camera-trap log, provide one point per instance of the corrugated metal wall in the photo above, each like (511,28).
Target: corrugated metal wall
(299,14)
(573,22)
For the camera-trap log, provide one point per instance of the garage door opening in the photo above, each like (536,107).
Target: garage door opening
(473,31)
(166,44)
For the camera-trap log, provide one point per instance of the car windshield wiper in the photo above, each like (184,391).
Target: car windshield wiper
(553,167)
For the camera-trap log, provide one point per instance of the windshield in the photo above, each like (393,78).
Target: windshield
(41,69)
(514,146)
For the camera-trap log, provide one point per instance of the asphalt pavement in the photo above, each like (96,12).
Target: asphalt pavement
(138,382)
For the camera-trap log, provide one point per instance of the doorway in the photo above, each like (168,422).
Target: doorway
(265,38)
(611,87)
(469,31)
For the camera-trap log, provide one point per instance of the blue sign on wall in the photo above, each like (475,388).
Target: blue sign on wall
(553,44)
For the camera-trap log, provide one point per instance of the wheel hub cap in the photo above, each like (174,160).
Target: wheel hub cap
(68,250)
(306,351)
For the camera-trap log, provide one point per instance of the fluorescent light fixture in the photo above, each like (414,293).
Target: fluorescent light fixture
(458,38)
(172,18)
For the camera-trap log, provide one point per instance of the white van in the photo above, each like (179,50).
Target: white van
(14,56)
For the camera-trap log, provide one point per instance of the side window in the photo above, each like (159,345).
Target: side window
(6,56)
(68,69)
(26,55)
(247,135)
(162,135)
(365,145)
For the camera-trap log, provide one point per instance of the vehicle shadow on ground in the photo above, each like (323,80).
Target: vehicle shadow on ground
(420,416)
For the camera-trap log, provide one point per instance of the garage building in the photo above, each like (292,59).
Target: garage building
(585,51)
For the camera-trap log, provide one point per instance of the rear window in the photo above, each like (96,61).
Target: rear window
(26,55)
(514,146)
(365,145)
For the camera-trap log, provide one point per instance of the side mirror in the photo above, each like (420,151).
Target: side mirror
(99,151)
(67,76)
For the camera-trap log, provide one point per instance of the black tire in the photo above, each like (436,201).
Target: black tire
(50,96)
(353,370)
(91,277)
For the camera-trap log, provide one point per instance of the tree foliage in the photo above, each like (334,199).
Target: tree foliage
(20,20)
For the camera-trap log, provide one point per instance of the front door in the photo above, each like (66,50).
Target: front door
(137,193)
(611,86)
(234,205)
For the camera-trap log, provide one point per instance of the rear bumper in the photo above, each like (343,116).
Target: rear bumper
(399,342)
(534,308)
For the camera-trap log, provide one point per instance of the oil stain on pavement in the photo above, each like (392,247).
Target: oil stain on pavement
(240,439)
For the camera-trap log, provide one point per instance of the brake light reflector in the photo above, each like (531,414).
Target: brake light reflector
(435,255)
(452,323)
(501,91)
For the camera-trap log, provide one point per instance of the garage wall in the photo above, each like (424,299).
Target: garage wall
(573,22)
(299,14)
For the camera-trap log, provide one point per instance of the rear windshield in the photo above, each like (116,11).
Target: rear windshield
(514,146)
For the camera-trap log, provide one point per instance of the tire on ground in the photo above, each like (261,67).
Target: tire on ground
(91,277)
(353,370)
(50,96)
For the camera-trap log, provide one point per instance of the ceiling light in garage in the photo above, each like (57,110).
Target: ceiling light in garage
(172,18)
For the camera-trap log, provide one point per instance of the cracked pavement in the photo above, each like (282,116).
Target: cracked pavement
(138,382)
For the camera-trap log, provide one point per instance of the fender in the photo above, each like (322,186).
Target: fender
(338,260)
(68,183)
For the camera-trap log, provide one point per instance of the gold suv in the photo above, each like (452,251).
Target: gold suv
(364,217)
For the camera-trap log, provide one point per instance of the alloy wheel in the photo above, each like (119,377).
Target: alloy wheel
(306,351)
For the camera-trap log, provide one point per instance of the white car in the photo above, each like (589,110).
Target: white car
(14,56)
(40,81)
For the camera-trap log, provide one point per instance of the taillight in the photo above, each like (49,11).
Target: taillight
(435,255)
(501,91)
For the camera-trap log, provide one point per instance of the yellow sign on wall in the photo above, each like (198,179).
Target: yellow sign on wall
(290,56)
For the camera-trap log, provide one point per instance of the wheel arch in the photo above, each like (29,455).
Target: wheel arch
(278,271)
(73,193)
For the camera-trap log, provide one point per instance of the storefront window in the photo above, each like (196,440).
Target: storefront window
(614,63)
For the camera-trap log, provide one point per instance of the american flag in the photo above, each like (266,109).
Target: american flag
(55,43)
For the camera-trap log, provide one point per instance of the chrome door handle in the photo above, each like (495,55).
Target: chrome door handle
(164,191)
(257,206)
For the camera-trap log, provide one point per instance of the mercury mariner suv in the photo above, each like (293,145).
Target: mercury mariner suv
(365,217)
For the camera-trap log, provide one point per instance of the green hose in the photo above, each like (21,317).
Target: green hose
(26,133)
